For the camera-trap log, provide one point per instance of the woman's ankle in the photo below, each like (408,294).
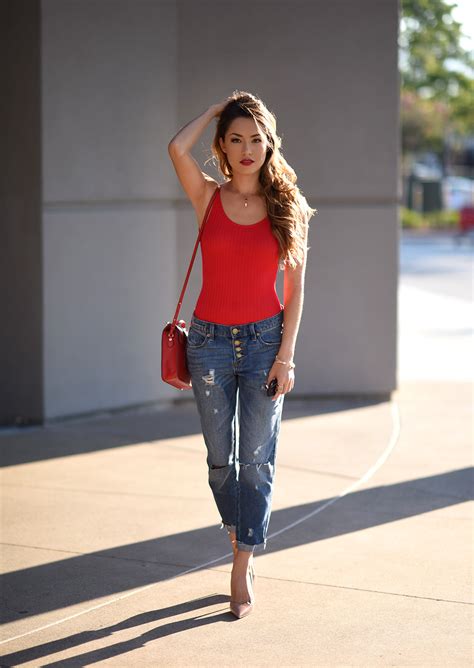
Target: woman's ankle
(233,541)
(235,548)
(242,559)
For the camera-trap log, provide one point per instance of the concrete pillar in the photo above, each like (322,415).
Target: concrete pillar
(21,316)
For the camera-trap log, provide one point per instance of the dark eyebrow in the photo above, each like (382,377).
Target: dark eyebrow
(257,134)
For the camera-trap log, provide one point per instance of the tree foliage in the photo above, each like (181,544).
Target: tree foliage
(424,123)
(435,68)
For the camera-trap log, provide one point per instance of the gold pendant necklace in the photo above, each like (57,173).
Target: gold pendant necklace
(246,201)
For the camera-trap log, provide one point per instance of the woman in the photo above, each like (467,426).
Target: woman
(240,337)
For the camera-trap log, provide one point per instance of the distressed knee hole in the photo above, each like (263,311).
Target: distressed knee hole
(256,471)
(256,464)
(209,379)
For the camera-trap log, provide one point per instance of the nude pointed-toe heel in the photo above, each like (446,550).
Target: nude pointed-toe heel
(242,609)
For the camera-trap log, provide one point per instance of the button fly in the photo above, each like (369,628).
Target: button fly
(235,330)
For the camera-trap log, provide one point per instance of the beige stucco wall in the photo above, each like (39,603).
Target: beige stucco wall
(109,108)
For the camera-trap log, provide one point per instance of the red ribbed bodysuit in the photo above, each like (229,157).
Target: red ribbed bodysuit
(239,269)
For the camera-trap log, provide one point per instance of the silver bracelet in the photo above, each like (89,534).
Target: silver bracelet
(290,364)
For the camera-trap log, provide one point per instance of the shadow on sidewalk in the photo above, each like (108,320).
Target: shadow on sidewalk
(76,437)
(130,645)
(106,573)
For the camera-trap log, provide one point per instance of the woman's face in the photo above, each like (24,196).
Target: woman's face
(244,141)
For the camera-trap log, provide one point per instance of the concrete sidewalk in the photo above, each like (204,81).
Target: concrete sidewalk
(114,556)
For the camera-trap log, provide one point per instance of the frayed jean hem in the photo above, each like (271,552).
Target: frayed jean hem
(244,547)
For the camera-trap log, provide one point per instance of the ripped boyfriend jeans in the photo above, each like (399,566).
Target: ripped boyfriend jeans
(229,366)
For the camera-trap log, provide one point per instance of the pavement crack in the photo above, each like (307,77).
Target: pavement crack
(362,589)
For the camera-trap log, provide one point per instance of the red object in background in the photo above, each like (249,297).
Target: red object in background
(466,218)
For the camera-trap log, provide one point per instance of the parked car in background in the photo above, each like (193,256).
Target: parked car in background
(458,192)
(427,165)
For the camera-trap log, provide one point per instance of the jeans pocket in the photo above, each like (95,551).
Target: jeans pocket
(196,338)
(271,337)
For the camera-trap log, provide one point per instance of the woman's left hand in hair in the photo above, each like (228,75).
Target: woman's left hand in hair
(285,379)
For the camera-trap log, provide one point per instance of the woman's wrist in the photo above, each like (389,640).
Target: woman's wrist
(287,362)
(188,135)
(285,354)
(212,111)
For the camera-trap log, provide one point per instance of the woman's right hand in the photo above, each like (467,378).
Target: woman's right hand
(218,108)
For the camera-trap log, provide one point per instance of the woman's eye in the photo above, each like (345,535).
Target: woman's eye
(234,139)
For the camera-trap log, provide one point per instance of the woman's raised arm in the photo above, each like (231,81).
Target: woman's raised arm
(194,181)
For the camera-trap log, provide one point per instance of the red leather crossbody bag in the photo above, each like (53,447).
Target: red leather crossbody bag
(174,339)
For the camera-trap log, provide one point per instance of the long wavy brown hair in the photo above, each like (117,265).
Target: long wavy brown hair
(287,208)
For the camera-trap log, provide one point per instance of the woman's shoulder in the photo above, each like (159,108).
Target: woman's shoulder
(211,186)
